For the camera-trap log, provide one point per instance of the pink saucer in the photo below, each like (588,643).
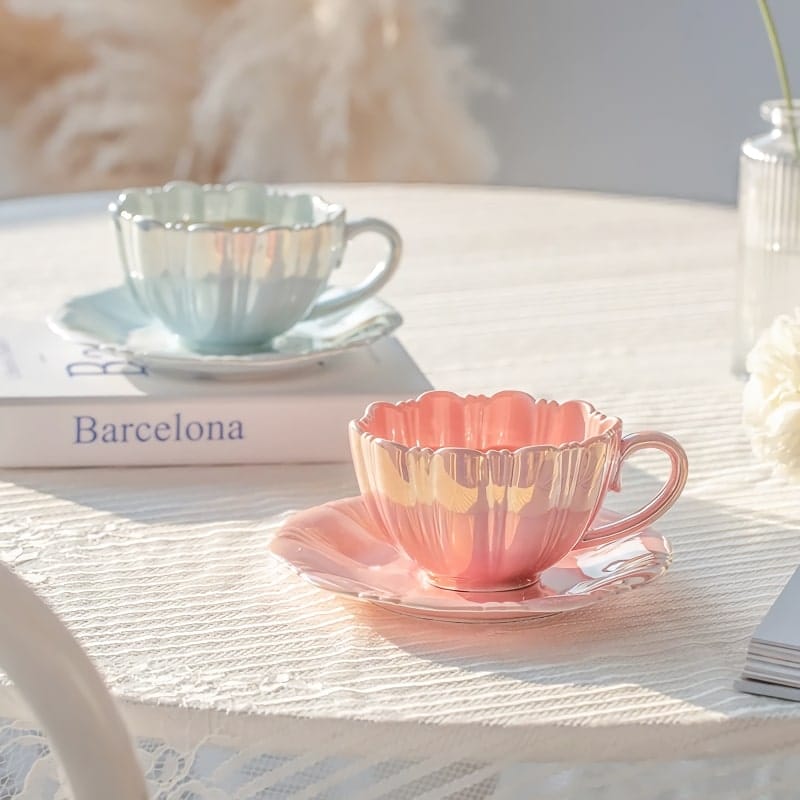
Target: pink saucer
(337,547)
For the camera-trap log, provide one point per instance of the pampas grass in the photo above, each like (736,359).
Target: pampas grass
(271,90)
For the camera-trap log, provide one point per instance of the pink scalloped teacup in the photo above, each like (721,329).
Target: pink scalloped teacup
(485,493)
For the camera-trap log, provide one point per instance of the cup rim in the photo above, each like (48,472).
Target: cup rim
(358,425)
(333,211)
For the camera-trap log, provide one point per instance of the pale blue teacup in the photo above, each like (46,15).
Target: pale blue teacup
(228,268)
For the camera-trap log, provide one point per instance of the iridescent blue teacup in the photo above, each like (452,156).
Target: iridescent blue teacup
(228,268)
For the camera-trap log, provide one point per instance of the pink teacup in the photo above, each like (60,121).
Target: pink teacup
(485,493)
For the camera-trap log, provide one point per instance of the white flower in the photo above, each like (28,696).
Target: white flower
(772,395)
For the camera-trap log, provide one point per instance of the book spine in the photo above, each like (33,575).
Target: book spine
(68,433)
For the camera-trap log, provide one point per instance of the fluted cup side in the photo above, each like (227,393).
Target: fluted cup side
(227,268)
(482,520)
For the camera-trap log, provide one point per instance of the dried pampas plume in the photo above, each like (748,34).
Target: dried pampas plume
(122,117)
(272,90)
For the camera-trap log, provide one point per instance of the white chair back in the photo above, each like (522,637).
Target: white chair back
(67,695)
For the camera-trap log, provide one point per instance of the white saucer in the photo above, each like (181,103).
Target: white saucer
(338,547)
(112,321)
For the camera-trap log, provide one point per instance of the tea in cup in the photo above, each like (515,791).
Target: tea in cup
(485,493)
(229,268)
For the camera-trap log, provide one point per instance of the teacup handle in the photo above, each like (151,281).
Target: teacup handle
(338,299)
(649,513)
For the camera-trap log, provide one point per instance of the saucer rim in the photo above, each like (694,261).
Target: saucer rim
(210,363)
(483,613)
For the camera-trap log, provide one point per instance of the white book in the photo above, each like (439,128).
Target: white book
(70,405)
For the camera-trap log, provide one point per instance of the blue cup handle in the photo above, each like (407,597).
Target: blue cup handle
(338,299)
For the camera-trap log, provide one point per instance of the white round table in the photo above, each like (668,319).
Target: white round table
(242,681)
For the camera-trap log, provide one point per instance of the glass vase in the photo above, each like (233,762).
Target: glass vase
(769,229)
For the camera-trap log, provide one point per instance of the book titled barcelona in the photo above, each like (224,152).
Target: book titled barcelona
(64,404)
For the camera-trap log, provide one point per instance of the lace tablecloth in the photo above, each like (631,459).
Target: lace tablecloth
(242,681)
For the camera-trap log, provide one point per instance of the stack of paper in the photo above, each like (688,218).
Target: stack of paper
(772,667)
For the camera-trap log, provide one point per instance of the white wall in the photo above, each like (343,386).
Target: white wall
(637,96)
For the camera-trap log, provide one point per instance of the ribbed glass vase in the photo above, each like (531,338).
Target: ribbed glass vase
(769,220)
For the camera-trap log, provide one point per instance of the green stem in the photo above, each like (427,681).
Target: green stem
(783,76)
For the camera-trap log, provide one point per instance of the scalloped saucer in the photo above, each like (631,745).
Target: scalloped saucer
(112,321)
(337,546)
